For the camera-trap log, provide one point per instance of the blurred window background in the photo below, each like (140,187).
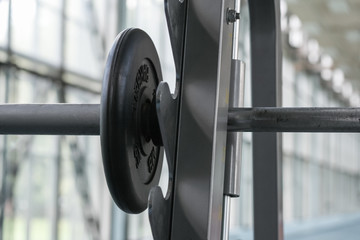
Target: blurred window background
(53,187)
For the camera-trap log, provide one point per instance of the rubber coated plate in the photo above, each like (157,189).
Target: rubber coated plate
(132,162)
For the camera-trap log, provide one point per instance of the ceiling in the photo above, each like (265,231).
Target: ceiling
(335,24)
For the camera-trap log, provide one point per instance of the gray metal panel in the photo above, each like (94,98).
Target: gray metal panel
(198,193)
(266,76)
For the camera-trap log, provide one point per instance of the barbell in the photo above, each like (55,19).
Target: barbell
(126,120)
(128,125)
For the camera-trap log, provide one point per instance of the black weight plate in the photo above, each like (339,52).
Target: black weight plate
(132,162)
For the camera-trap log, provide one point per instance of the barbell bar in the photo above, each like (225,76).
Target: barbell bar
(50,119)
(312,119)
(84,119)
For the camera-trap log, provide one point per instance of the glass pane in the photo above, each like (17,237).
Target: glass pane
(83,189)
(79,11)
(56,4)
(36,31)
(2,86)
(4,16)
(73,194)
(320,171)
(55,186)
(83,51)
(29,163)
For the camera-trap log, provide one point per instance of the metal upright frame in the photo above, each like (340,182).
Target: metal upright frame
(199,170)
(266,73)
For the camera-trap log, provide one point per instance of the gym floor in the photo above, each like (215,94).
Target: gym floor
(329,228)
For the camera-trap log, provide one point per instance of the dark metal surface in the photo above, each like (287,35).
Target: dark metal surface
(50,119)
(175,11)
(266,76)
(160,205)
(198,183)
(167,104)
(132,161)
(160,212)
(294,119)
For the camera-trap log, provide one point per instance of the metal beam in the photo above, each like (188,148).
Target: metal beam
(50,119)
(266,75)
(267,119)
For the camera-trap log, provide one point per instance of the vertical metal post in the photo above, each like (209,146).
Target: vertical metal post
(234,140)
(226,217)
(266,79)
(119,223)
(4,164)
(121,15)
(199,169)
(56,178)
(58,159)
(29,196)
(4,155)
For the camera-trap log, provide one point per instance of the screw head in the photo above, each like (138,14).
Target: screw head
(232,16)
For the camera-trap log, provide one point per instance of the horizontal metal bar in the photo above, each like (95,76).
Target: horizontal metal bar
(50,119)
(269,119)
(84,119)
